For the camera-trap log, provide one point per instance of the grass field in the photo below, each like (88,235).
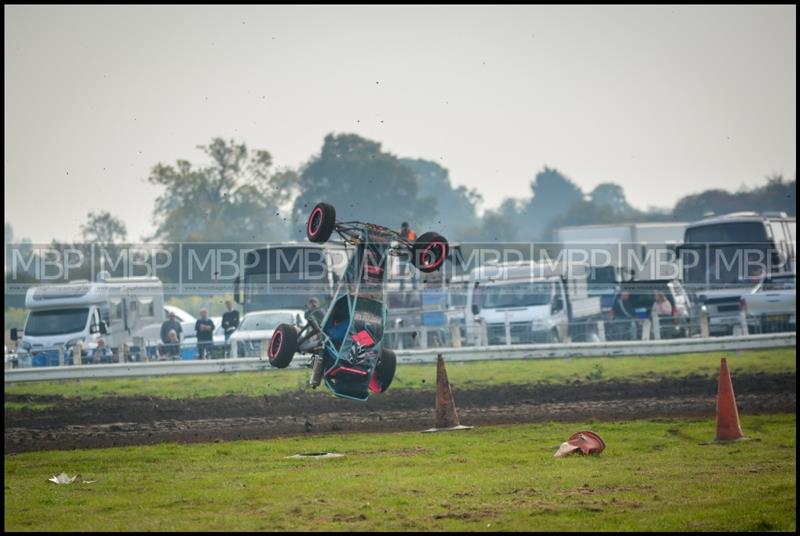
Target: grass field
(653,475)
(423,376)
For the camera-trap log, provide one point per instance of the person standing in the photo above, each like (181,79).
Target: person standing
(407,234)
(205,335)
(102,354)
(170,325)
(230,321)
(624,322)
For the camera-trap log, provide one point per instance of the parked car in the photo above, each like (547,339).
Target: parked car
(258,326)
(772,305)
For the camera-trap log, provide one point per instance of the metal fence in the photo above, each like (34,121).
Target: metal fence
(463,354)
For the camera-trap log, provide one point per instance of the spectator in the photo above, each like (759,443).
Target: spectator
(408,234)
(172,349)
(230,320)
(170,325)
(205,335)
(314,313)
(756,274)
(661,305)
(623,318)
(102,354)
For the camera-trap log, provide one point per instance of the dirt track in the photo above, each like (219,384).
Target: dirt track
(117,421)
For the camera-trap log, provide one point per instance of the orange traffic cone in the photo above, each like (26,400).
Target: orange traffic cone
(728,426)
(446,414)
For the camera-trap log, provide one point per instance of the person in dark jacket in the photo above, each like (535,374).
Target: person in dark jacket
(205,335)
(624,323)
(170,325)
(230,320)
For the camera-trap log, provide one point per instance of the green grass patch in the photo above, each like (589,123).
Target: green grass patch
(463,375)
(653,476)
(35,406)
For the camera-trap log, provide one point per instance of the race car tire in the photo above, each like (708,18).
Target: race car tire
(429,252)
(384,371)
(321,223)
(282,346)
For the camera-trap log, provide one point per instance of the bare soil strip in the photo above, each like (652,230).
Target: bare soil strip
(118,421)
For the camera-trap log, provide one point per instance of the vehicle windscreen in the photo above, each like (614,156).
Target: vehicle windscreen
(525,294)
(265,321)
(717,265)
(285,278)
(56,322)
(735,232)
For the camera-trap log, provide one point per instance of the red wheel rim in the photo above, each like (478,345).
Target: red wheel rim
(430,250)
(315,221)
(275,345)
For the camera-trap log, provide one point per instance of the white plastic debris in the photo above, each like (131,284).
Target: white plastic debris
(64,478)
(317,455)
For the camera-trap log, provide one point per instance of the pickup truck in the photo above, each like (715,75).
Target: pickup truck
(772,305)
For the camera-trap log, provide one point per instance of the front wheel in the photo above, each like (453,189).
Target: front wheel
(429,252)
(384,371)
(282,346)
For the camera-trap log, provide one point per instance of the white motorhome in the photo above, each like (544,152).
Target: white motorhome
(114,308)
(528,302)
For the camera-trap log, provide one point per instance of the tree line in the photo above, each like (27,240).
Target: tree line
(238,195)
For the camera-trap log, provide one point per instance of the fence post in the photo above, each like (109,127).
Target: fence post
(704,332)
(483,336)
(646,329)
(77,350)
(656,325)
(60,355)
(455,336)
(508,330)
(743,323)
(601,330)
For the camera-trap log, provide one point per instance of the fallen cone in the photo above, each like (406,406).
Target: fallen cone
(446,414)
(586,442)
(728,427)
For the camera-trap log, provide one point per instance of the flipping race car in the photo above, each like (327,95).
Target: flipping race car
(346,343)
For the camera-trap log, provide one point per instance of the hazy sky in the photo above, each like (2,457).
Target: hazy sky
(666,101)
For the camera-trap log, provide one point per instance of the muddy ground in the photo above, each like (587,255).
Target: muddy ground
(117,421)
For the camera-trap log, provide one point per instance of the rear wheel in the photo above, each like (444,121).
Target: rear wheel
(384,371)
(321,223)
(429,252)
(282,346)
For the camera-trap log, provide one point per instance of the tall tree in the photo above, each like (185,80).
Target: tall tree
(612,197)
(362,181)
(103,228)
(455,212)
(237,197)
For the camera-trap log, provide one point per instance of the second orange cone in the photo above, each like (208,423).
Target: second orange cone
(728,427)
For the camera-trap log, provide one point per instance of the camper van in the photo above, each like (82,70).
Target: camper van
(530,302)
(114,308)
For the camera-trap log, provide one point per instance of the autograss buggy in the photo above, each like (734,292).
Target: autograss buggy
(346,343)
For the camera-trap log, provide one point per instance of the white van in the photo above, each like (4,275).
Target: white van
(529,302)
(114,308)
